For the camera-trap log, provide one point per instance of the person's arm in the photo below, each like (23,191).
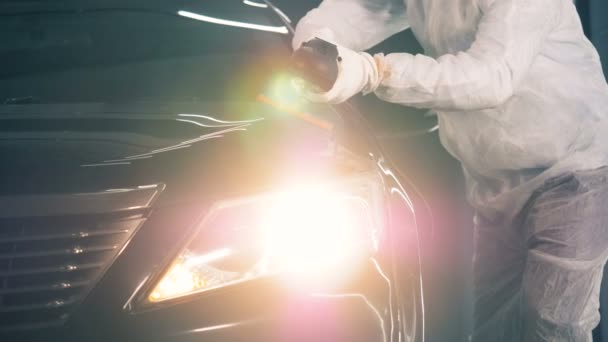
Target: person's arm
(356,24)
(509,38)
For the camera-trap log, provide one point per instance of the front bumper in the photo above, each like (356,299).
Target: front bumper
(257,311)
(312,318)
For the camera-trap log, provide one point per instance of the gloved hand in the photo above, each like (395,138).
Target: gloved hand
(357,72)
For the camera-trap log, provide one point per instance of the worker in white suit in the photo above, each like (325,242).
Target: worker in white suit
(523,104)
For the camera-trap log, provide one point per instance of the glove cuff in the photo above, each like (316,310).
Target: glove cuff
(375,72)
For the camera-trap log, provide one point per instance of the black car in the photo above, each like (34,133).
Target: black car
(159,180)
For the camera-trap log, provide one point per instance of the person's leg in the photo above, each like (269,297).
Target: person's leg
(498,264)
(567,240)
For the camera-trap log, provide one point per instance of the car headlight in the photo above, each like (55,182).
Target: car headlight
(304,234)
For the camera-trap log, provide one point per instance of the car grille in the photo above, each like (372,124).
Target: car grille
(49,263)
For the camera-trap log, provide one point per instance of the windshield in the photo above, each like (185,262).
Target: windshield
(62,52)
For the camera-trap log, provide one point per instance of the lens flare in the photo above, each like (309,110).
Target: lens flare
(283,89)
(307,232)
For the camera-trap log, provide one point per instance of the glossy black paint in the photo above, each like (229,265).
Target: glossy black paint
(239,160)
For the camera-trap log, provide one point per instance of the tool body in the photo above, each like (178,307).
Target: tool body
(316,62)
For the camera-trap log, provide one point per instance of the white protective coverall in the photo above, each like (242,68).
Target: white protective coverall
(523,104)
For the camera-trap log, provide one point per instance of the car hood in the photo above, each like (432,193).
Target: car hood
(205,153)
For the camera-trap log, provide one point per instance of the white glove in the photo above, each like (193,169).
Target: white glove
(357,72)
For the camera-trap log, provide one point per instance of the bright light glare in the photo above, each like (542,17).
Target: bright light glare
(307,232)
(195,16)
(177,281)
(308,236)
(284,89)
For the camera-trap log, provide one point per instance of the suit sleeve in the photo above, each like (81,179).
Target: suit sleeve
(356,24)
(509,37)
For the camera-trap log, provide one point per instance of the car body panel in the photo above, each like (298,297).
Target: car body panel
(201,152)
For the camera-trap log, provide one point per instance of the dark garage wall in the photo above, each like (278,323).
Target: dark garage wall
(594,15)
(599,29)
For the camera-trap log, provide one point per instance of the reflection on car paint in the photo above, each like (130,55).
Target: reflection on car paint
(218,122)
(215,327)
(277,11)
(129,303)
(400,191)
(106,164)
(255,4)
(390,296)
(120,160)
(367,302)
(233,126)
(372,307)
(200,17)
